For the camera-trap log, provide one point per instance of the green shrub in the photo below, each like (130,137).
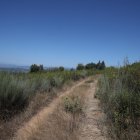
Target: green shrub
(61,68)
(80,67)
(72,104)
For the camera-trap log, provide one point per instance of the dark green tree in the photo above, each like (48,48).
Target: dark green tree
(36,68)
(90,66)
(61,68)
(103,66)
(100,65)
(41,68)
(80,67)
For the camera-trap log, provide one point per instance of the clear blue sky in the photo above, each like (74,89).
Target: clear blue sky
(67,32)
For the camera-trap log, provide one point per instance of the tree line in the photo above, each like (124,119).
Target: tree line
(99,66)
(39,68)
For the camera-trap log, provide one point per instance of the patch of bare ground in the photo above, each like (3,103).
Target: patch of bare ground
(92,127)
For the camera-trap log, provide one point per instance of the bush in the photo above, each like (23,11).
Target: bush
(61,68)
(72,104)
(80,67)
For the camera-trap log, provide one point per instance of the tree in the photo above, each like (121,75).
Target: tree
(61,68)
(90,66)
(36,68)
(103,65)
(100,65)
(41,68)
(80,67)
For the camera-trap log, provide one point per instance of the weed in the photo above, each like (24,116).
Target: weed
(72,104)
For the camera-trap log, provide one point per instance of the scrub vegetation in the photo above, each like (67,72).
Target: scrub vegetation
(23,95)
(119,92)
(17,89)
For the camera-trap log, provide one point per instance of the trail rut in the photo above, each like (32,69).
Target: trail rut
(89,129)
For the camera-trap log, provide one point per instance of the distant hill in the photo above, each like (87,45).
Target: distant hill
(13,68)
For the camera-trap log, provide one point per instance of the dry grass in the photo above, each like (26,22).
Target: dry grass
(57,124)
(9,127)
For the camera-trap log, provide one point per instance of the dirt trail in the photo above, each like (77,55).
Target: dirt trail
(90,126)
(34,124)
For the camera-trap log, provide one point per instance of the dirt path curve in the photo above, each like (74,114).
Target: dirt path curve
(34,124)
(89,129)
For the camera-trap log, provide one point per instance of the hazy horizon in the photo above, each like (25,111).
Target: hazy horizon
(68,32)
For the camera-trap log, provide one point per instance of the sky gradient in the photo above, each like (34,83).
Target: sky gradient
(67,32)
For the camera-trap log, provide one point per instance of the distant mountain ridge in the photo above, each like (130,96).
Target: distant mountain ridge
(13,68)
